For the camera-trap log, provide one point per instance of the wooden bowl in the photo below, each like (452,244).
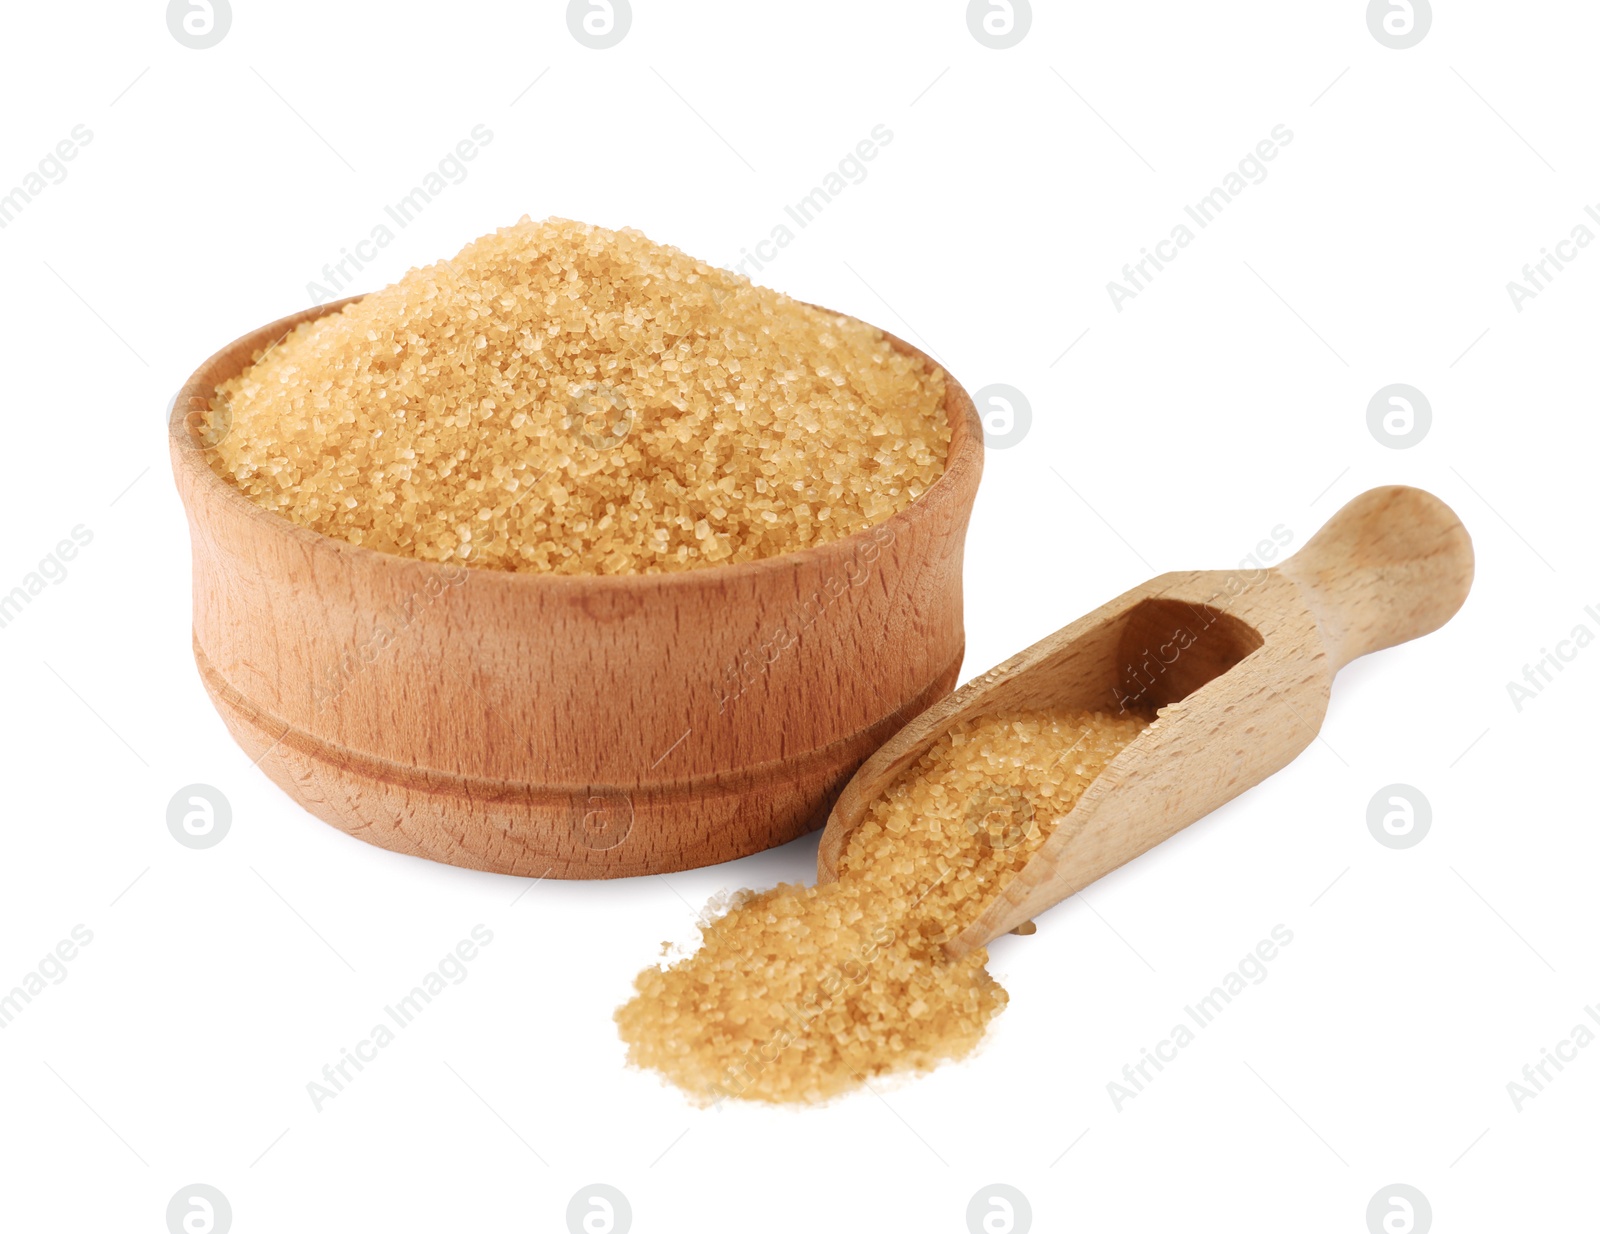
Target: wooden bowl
(567,726)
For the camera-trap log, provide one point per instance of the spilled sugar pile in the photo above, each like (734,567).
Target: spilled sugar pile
(800,993)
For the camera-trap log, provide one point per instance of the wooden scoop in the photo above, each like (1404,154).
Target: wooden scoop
(1243,662)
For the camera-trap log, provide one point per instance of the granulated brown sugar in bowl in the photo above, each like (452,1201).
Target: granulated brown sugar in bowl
(800,993)
(568,399)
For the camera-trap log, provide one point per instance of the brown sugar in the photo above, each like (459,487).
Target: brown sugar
(564,398)
(800,993)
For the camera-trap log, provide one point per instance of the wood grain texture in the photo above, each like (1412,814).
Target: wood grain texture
(1243,661)
(567,726)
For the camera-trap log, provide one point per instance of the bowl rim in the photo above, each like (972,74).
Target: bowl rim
(188,459)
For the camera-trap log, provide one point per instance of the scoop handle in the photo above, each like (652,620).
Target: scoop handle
(1392,565)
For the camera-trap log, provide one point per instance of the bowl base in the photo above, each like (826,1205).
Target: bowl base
(543,831)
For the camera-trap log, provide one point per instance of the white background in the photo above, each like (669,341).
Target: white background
(1228,398)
